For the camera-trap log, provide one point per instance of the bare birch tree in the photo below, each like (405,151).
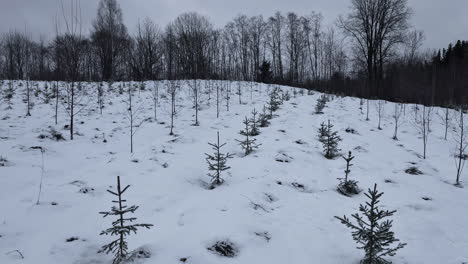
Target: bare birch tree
(460,135)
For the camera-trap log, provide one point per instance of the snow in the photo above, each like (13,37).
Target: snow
(294,201)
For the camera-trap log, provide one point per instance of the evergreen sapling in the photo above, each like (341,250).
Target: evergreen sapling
(252,125)
(248,145)
(217,163)
(348,187)
(321,102)
(274,102)
(264,118)
(121,227)
(329,140)
(370,233)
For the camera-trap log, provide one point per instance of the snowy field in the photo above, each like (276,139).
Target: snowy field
(277,205)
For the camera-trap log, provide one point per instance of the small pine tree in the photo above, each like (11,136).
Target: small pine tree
(329,139)
(9,93)
(321,102)
(120,227)
(348,187)
(248,145)
(370,234)
(252,125)
(286,96)
(274,102)
(348,164)
(217,162)
(264,118)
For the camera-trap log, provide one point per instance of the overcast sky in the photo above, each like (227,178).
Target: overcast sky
(442,21)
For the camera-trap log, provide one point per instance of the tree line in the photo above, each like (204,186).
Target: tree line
(372,51)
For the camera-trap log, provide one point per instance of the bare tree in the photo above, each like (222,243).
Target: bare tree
(148,50)
(461,142)
(313,30)
(16,48)
(376,27)
(28,98)
(397,112)
(192,32)
(445,117)
(227,87)
(172,88)
(422,121)
(134,112)
(413,43)
(208,90)
(257,28)
(380,107)
(155,98)
(69,50)
(276,27)
(108,36)
(194,85)
(57,95)
(367,110)
(218,86)
(295,45)
(100,93)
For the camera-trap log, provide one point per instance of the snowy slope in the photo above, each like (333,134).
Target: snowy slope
(168,181)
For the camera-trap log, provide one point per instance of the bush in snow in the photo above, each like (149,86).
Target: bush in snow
(3,161)
(372,235)
(329,140)
(413,171)
(217,163)
(348,187)
(224,249)
(248,145)
(121,227)
(53,134)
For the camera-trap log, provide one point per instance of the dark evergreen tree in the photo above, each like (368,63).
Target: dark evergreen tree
(265,73)
(329,140)
(217,162)
(248,145)
(370,233)
(121,227)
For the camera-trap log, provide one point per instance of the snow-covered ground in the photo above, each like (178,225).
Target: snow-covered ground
(293,203)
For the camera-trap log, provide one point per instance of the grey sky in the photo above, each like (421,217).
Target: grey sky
(442,21)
